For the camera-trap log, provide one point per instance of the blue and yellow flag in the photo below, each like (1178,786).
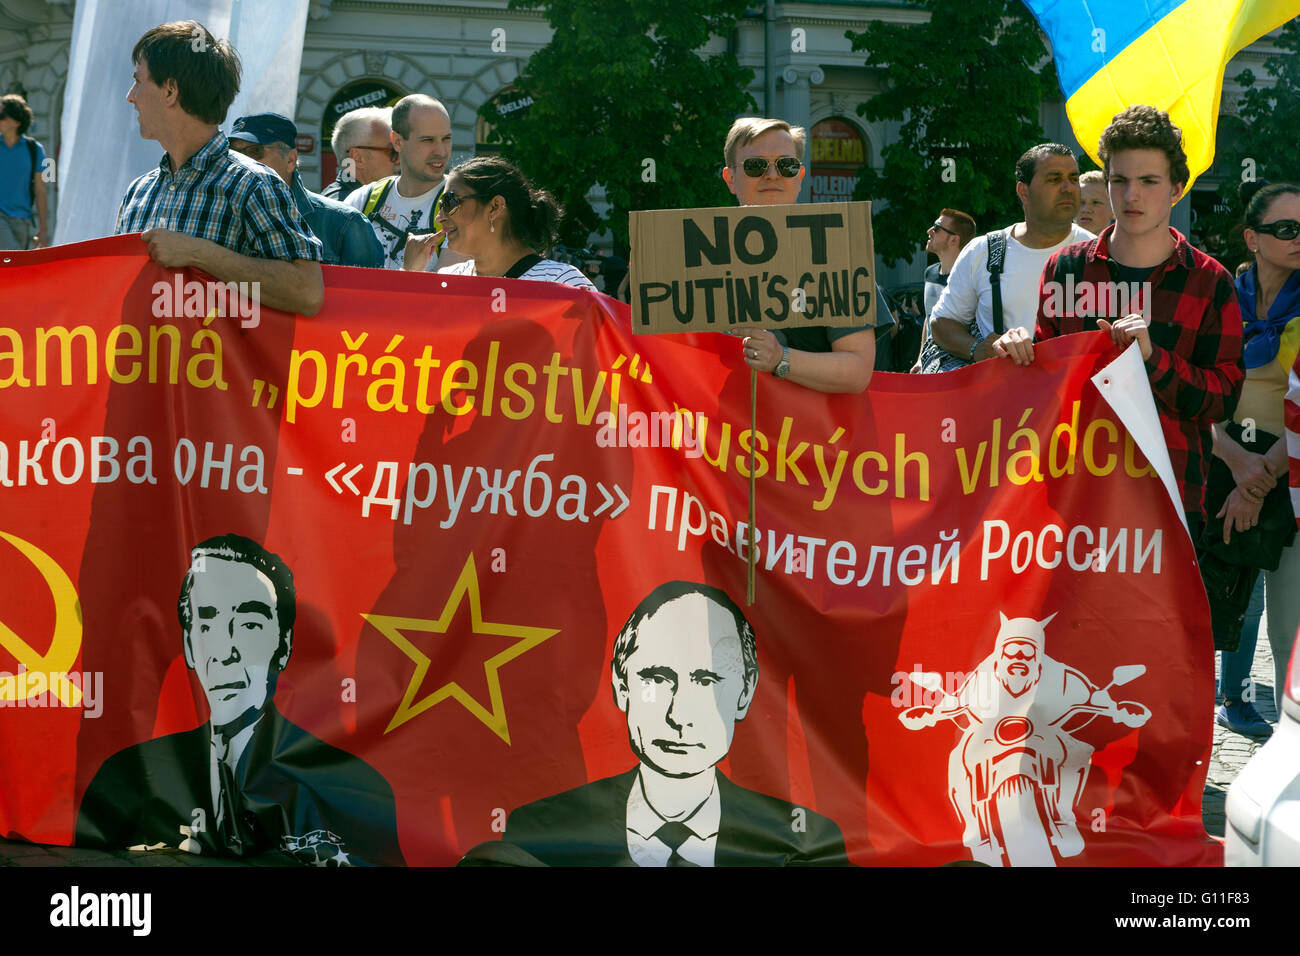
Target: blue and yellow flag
(1170,54)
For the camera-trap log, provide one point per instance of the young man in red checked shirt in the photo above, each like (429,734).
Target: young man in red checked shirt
(1190,332)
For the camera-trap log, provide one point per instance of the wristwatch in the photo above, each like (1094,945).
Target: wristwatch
(783,367)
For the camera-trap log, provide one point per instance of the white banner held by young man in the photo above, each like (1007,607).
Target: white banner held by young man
(772,267)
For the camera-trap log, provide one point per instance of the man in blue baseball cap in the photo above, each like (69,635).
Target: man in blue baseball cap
(343,231)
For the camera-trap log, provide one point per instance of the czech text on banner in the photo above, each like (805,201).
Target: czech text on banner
(457,569)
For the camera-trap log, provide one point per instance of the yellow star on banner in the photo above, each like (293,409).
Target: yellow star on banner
(466,587)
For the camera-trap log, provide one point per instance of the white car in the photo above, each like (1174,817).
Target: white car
(1264,801)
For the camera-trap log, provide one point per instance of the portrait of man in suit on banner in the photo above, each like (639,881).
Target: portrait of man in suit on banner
(247,781)
(684,671)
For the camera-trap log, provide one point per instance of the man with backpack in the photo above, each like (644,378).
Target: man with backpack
(22,190)
(406,204)
(950,234)
(993,285)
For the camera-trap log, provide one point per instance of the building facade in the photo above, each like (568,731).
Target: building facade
(372,52)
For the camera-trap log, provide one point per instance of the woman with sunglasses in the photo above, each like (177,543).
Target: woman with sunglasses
(1269,293)
(492,214)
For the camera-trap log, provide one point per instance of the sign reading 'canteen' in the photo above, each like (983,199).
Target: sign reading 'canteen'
(776,267)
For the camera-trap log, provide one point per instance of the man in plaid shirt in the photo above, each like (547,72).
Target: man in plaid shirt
(1190,332)
(204,206)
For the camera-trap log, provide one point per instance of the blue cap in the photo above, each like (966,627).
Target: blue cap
(265,129)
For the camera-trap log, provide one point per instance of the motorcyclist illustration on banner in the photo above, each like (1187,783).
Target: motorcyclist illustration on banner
(1017,771)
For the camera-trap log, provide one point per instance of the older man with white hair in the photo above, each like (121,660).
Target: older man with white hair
(363,146)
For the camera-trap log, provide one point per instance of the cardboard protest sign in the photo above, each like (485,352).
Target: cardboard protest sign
(771,267)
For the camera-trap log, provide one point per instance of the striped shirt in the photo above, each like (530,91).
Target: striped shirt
(1195,368)
(548,270)
(222,196)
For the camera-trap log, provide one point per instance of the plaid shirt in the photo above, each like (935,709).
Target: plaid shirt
(1195,368)
(222,196)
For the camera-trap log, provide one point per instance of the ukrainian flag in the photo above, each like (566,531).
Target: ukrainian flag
(1170,54)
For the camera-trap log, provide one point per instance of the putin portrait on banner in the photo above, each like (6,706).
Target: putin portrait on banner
(685,669)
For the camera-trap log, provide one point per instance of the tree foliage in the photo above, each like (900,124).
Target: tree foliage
(622,98)
(1258,143)
(966,87)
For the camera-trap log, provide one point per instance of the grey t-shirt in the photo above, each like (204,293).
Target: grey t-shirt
(819,338)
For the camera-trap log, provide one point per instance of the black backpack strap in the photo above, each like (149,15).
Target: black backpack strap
(31,183)
(997,258)
(522,266)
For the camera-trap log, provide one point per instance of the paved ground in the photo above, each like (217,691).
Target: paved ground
(1229,755)
(27,854)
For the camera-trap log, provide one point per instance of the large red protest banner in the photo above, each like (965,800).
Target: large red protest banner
(426,515)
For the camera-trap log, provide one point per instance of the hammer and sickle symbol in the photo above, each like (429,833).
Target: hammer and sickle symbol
(64,645)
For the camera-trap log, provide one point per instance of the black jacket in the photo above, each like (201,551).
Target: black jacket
(295,793)
(587,826)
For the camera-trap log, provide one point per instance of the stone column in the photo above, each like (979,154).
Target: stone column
(797,103)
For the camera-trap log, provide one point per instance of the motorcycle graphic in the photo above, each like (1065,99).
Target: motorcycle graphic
(1018,770)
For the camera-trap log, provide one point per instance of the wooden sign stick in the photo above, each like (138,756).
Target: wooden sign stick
(753,534)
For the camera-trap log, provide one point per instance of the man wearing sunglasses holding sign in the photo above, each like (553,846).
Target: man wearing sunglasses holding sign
(764,169)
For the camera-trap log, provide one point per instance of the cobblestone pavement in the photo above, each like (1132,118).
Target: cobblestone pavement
(1229,755)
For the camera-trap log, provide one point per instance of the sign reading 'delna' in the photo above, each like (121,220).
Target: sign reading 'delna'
(774,267)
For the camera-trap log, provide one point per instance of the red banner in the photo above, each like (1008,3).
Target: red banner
(396,582)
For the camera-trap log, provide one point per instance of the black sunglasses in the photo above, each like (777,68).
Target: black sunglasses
(1281,229)
(944,229)
(251,150)
(450,202)
(756,167)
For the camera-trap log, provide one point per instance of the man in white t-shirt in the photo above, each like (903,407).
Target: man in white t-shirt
(1047,182)
(404,205)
